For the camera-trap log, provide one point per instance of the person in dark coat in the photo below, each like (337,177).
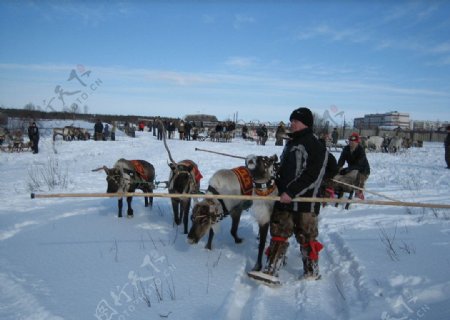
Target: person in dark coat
(98,130)
(334,137)
(33,135)
(244,132)
(302,168)
(358,166)
(262,135)
(447,148)
(279,134)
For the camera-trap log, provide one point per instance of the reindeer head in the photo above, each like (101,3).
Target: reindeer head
(114,178)
(262,168)
(181,179)
(204,215)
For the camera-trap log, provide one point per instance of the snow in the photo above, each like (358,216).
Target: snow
(73,258)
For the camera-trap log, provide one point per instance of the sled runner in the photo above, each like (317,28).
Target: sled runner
(275,282)
(265,278)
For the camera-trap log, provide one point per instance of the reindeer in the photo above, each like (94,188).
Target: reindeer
(395,144)
(375,143)
(184,178)
(127,176)
(208,212)
(257,177)
(263,171)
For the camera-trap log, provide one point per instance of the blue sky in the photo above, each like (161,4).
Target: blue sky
(261,59)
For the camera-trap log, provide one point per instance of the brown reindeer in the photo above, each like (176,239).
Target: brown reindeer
(184,178)
(127,176)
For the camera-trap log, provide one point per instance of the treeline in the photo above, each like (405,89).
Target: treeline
(37,114)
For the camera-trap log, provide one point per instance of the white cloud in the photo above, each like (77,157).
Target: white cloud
(240,62)
(333,33)
(241,19)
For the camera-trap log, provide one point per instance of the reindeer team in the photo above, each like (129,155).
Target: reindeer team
(256,177)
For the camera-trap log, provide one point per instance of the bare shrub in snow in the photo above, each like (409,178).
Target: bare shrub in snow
(47,176)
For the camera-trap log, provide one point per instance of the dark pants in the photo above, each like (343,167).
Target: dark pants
(447,156)
(35,146)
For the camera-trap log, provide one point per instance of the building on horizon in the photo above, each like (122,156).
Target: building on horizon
(392,120)
(420,125)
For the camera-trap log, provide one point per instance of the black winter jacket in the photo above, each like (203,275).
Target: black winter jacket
(356,160)
(302,167)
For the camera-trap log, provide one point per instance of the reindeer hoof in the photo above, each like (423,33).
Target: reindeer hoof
(238,240)
(130,216)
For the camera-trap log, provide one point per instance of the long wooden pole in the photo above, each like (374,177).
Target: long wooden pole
(221,153)
(239,197)
(362,189)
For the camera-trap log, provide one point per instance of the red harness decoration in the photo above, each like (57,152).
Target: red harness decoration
(245,180)
(139,168)
(197,174)
(264,192)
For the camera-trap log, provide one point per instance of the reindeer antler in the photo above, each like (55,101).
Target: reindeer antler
(165,143)
(98,169)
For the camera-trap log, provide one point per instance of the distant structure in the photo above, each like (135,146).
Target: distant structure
(200,117)
(3,119)
(419,125)
(389,120)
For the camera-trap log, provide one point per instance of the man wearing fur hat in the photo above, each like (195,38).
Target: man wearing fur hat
(358,169)
(302,167)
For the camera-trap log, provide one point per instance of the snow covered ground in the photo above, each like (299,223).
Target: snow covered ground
(72,258)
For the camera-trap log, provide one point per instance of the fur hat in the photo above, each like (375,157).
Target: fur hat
(304,115)
(354,137)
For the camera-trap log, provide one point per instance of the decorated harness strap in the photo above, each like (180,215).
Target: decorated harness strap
(139,168)
(264,189)
(245,180)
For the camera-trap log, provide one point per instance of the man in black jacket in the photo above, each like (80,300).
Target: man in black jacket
(302,167)
(358,169)
(33,134)
(98,131)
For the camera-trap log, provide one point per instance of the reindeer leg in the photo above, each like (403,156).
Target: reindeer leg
(185,211)
(235,219)
(151,198)
(120,205)
(146,200)
(210,239)
(130,210)
(350,197)
(340,194)
(176,211)
(263,230)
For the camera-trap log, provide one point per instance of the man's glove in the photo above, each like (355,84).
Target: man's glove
(344,171)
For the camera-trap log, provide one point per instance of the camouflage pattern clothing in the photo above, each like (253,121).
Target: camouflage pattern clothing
(302,167)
